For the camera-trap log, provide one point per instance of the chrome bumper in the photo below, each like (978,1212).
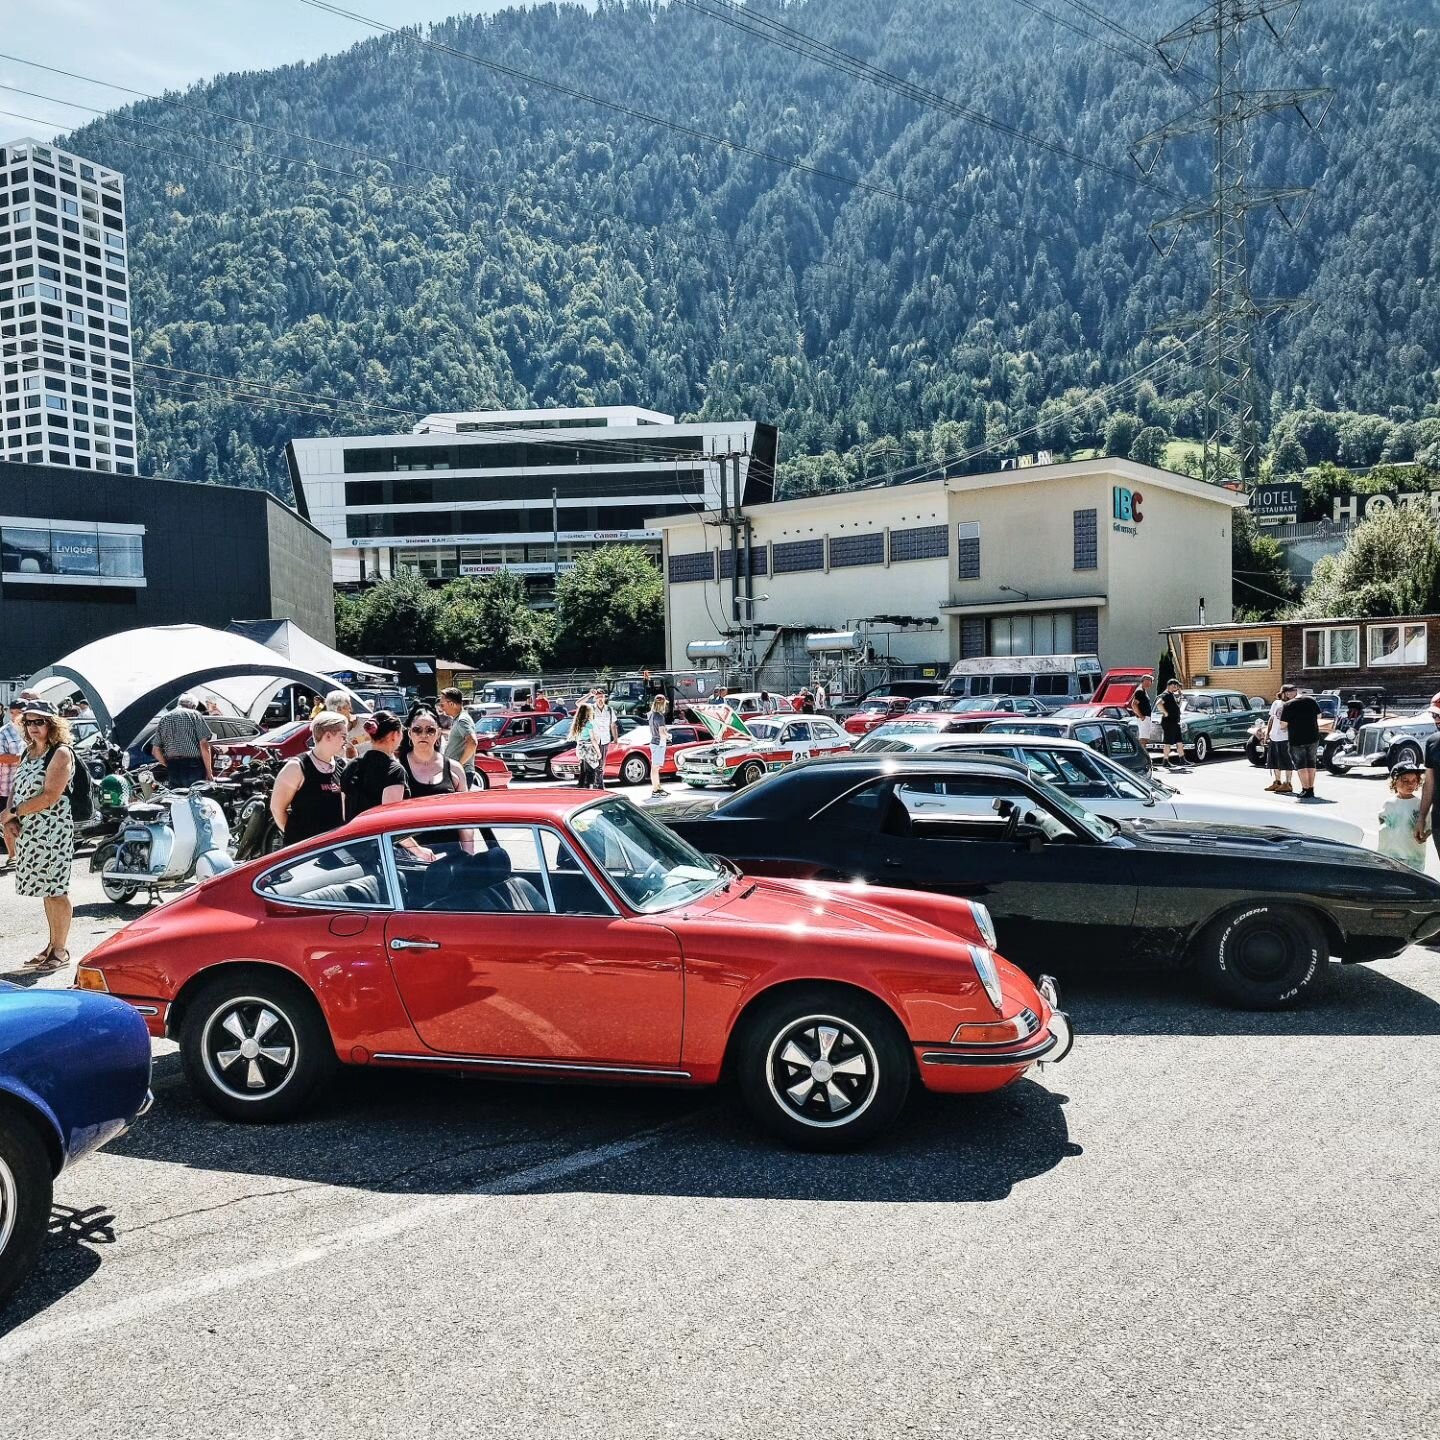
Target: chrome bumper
(1050,1051)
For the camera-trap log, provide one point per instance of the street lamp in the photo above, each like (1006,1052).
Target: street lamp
(1023,594)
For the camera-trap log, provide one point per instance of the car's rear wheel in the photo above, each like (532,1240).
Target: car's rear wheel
(1264,956)
(823,1068)
(635,770)
(1255,753)
(255,1046)
(750,774)
(25,1193)
(1204,749)
(1410,753)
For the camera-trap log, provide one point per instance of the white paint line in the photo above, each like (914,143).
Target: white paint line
(139,1307)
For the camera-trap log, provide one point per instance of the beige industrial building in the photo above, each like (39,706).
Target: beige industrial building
(1092,556)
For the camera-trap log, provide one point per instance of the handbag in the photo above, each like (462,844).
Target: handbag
(588,753)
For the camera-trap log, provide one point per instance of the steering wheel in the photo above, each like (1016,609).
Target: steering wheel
(652,879)
(1011,827)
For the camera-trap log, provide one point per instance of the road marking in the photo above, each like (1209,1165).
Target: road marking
(354,1237)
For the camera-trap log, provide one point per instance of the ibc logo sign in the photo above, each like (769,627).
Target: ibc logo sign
(1125,509)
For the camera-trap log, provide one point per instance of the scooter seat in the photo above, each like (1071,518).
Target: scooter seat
(147,811)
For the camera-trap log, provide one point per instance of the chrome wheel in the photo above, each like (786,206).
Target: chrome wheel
(9,1203)
(822,1071)
(249,1048)
(635,770)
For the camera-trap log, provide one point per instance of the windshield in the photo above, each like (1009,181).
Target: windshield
(653,868)
(281,733)
(878,741)
(1024,727)
(975,706)
(559,728)
(1073,712)
(927,703)
(490,724)
(876,705)
(761,730)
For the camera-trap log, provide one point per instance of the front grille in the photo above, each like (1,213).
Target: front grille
(1372,739)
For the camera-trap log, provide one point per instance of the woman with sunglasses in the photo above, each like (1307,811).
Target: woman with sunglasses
(37,818)
(427,771)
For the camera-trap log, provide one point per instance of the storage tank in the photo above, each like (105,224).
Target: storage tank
(711,650)
(830,642)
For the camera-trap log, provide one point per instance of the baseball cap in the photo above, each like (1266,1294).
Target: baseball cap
(1406,767)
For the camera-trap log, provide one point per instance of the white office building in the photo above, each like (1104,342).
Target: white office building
(65,357)
(474,492)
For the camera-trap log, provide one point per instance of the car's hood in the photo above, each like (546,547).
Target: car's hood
(1201,840)
(738,746)
(549,745)
(1214,807)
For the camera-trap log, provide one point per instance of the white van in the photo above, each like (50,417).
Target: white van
(1063,679)
(503,695)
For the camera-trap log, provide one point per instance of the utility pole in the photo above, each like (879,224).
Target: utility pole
(1232,313)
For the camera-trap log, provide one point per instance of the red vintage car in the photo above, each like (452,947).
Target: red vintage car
(876,712)
(510,727)
(555,934)
(628,758)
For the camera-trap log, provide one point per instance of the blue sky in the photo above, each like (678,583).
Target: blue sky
(155,45)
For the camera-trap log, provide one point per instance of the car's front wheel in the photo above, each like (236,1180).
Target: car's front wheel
(25,1193)
(1204,749)
(1264,956)
(635,770)
(1255,753)
(255,1046)
(750,774)
(1410,753)
(823,1068)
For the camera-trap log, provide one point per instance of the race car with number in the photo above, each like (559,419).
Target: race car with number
(772,744)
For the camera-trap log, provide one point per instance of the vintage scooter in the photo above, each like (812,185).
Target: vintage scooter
(179,836)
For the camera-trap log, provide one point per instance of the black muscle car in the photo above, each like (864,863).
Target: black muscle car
(1256,912)
(533,758)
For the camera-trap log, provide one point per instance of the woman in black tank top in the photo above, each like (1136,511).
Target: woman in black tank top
(306,800)
(436,775)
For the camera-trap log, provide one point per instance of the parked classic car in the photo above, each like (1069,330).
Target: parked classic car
(875,711)
(510,727)
(534,758)
(1255,912)
(1257,745)
(1212,720)
(1119,739)
(566,934)
(227,732)
(627,761)
(1385,743)
(1101,784)
(772,744)
(74,1072)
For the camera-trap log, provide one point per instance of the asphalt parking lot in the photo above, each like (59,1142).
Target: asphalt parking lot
(1204,1223)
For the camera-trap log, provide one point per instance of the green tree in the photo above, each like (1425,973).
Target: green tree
(395,617)
(1148,447)
(1120,433)
(610,609)
(1390,566)
(488,622)
(1262,586)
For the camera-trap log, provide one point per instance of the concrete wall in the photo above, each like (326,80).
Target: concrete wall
(301,588)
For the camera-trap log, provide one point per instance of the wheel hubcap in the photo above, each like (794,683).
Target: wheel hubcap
(1264,954)
(249,1048)
(822,1071)
(9,1204)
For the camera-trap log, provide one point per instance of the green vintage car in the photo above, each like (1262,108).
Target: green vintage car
(1213,719)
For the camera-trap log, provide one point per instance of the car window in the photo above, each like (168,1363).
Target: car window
(652,867)
(683,734)
(341,877)
(1073,771)
(860,809)
(796,733)
(572,891)
(969,808)
(489,870)
(1121,740)
(1092,735)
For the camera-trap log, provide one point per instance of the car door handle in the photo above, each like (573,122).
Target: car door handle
(414,944)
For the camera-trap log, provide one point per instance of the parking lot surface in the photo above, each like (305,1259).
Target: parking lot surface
(1204,1223)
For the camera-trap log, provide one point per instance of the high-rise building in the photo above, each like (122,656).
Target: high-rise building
(66,381)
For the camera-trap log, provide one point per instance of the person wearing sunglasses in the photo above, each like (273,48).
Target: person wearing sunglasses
(427,771)
(38,819)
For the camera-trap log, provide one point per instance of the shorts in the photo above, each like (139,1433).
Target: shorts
(1277,755)
(1170,733)
(1304,753)
(657,761)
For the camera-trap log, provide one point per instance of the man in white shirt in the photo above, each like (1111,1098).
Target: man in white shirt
(603,721)
(1277,752)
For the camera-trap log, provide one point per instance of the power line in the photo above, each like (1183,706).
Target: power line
(798,43)
(570,92)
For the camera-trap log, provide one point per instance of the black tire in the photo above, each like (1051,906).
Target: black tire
(297,1060)
(482,781)
(1255,753)
(750,774)
(1408,751)
(1327,759)
(1264,956)
(635,770)
(1204,748)
(26,1189)
(117,892)
(798,1023)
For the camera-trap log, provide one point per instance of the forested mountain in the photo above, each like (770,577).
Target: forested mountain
(525,247)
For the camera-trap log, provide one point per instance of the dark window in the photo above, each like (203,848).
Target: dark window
(758,562)
(1052,685)
(968,548)
(925,542)
(1087,640)
(846,550)
(551,454)
(489,871)
(1087,539)
(792,555)
(472,489)
(972,640)
(700,565)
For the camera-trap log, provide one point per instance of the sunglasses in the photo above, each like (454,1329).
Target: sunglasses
(424,730)
(42,723)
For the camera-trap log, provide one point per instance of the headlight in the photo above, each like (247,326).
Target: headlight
(985,923)
(984,963)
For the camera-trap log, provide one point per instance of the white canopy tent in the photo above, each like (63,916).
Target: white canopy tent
(286,638)
(127,678)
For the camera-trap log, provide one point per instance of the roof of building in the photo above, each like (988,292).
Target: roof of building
(1302,620)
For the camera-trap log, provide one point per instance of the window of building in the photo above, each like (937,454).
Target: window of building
(697,565)
(924,542)
(1047,633)
(759,561)
(1234,654)
(47,551)
(1397,644)
(1332,648)
(1087,539)
(847,550)
(788,556)
(968,546)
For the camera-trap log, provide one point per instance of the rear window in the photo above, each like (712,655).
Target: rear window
(342,877)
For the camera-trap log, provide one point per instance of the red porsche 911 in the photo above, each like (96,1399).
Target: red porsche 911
(567,934)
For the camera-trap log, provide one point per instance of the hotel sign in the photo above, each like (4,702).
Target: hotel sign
(1354,507)
(1276,502)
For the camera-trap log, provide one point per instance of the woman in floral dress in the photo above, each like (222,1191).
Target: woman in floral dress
(37,816)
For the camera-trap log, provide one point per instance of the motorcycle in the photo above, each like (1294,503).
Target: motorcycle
(166,842)
(255,828)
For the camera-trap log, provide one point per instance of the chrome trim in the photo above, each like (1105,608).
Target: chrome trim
(144,1009)
(1050,990)
(567,1065)
(145,1104)
(402,944)
(1015,1057)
